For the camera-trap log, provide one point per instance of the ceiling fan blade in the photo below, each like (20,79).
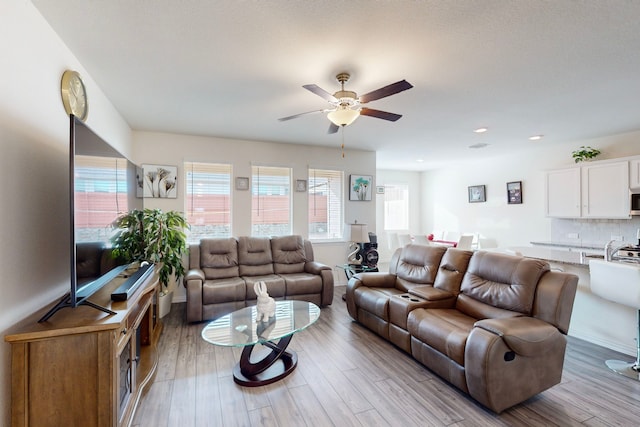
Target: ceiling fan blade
(321,92)
(384,115)
(383,92)
(283,119)
(333,128)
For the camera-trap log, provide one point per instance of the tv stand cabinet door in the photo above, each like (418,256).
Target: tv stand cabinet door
(64,380)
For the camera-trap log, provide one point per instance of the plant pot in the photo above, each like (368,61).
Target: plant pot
(164,304)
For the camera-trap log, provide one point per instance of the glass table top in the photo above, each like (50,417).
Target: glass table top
(240,328)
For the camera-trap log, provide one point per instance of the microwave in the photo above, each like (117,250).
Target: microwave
(635,204)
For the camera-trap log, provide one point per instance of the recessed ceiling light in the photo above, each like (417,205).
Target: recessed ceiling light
(535,137)
(479,145)
(420,160)
(481,130)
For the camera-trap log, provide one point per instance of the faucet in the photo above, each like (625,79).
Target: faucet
(612,247)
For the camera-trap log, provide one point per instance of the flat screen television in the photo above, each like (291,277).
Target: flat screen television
(102,185)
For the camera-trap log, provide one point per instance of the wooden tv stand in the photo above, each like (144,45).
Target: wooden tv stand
(84,367)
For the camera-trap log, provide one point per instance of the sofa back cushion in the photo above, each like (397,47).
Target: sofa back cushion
(417,265)
(254,256)
(289,255)
(88,259)
(453,267)
(219,258)
(500,281)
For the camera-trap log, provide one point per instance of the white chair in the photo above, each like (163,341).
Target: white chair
(465,242)
(451,236)
(404,239)
(420,239)
(487,243)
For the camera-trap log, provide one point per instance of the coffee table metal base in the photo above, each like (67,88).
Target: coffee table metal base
(274,366)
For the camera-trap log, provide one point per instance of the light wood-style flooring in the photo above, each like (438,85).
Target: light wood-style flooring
(348,376)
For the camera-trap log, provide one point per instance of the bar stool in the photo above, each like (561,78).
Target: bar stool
(620,283)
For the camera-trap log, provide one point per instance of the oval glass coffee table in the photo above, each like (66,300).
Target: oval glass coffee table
(242,329)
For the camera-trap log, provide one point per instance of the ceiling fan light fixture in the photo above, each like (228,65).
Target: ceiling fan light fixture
(343,116)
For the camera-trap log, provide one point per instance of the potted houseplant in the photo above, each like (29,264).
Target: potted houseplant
(154,236)
(584,154)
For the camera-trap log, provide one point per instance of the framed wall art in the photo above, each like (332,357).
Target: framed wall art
(514,192)
(477,194)
(360,187)
(160,181)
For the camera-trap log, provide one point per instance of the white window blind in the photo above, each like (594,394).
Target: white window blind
(208,199)
(100,195)
(326,213)
(270,201)
(396,207)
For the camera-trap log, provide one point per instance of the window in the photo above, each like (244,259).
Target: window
(208,200)
(100,195)
(270,201)
(326,217)
(396,207)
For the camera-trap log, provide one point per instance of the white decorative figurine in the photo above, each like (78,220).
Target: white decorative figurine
(266,306)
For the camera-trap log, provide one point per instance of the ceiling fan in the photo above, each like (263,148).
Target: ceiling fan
(346,105)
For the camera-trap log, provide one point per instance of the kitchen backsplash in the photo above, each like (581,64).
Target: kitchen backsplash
(596,231)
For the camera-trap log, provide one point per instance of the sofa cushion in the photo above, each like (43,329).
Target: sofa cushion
(276,286)
(302,283)
(254,256)
(223,290)
(375,300)
(219,258)
(503,281)
(453,265)
(418,264)
(288,254)
(445,330)
(88,257)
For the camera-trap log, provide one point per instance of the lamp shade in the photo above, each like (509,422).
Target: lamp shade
(343,116)
(359,233)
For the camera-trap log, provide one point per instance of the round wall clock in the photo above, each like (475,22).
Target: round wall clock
(74,95)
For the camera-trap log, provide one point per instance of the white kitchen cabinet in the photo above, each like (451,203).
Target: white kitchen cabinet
(634,174)
(594,190)
(605,190)
(563,193)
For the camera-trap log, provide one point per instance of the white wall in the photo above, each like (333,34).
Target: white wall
(34,136)
(445,203)
(171,149)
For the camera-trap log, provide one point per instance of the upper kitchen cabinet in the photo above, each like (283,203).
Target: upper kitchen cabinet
(605,190)
(594,190)
(563,193)
(634,174)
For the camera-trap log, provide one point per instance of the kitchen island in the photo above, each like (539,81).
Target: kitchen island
(593,319)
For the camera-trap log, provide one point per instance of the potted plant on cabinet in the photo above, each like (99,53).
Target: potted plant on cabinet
(154,236)
(584,154)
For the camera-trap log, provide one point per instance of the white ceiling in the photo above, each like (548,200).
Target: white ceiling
(563,68)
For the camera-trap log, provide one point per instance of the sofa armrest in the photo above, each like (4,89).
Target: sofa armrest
(526,336)
(194,274)
(315,267)
(375,280)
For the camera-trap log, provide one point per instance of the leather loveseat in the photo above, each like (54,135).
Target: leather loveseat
(93,259)
(222,273)
(493,325)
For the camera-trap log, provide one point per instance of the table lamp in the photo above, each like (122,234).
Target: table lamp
(358,233)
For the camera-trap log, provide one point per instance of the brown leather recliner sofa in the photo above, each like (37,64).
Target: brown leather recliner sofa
(93,259)
(222,273)
(491,324)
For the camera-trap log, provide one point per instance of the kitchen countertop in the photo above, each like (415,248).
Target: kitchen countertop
(551,254)
(572,245)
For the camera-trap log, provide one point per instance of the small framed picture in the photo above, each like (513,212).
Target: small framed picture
(159,181)
(514,192)
(301,185)
(242,183)
(380,189)
(360,187)
(477,194)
